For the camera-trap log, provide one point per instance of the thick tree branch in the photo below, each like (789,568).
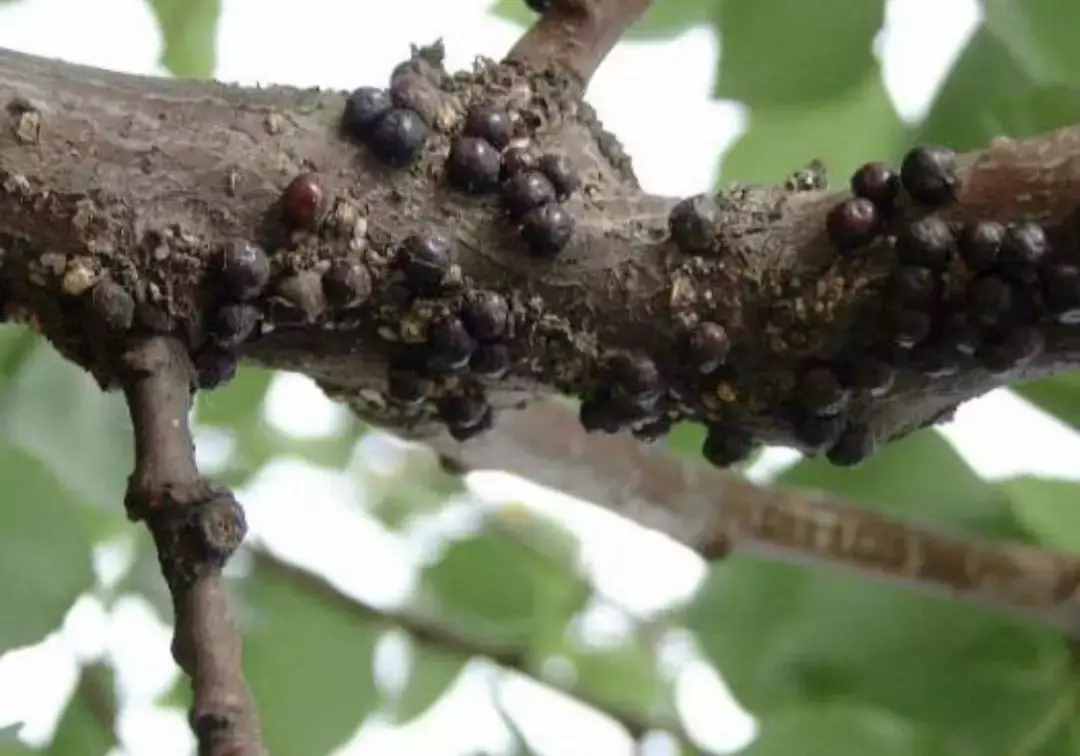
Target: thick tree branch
(111,177)
(440,636)
(577,35)
(195,528)
(714,513)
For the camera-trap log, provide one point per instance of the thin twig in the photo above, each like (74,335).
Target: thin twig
(427,631)
(713,513)
(576,35)
(196,528)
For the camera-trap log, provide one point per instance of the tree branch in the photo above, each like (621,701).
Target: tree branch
(196,528)
(443,637)
(715,513)
(123,179)
(576,35)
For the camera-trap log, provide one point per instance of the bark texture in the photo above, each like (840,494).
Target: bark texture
(146,183)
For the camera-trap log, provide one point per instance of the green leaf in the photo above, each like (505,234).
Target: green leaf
(997,88)
(309,662)
(10,745)
(686,440)
(788,637)
(792,52)
(91,451)
(433,672)
(892,481)
(1049,510)
(44,553)
(238,401)
(844,131)
(238,409)
(189,28)
(86,727)
(1040,34)
(624,679)
(840,729)
(1059,395)
(501,591)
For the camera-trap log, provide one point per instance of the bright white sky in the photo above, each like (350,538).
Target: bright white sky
(341,45)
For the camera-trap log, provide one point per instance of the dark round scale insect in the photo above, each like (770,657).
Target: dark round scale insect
(693,224)
(653,431)
(518,160)
(1023,247)
(245,270)
(821,393)
(425,260)
(599,413)
(878,183)
(980,245)
(303,201)
(819,432)
(485,314)
(990,300)
(853,223)
(872,375)
(450,345)
(363,109)
(961,334)
(856,444)
(1061,286)
(525,191)
(909,328)
(465,432)
(726,445)
(232,324)
(547,230)
(936,361)
(461,412)
(405,387)
(346,283)
(214,367)
(928,242)
(1010,349)
(914,286)
(560,172)
(111,304)
(490,124)
(929,175)
(490,361)
(398,138)
(474,165)
(706,347)
(635,381)
(540,6)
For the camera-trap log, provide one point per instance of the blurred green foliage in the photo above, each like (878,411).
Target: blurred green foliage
(830,664)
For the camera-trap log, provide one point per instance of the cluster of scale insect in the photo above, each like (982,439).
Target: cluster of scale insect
(978,295)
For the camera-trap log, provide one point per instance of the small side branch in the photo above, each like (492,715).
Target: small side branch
(577,35)
(196,527)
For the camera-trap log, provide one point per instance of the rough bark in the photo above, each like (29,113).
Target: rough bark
(147,181)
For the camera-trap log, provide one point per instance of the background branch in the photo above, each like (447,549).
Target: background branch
(714,513)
